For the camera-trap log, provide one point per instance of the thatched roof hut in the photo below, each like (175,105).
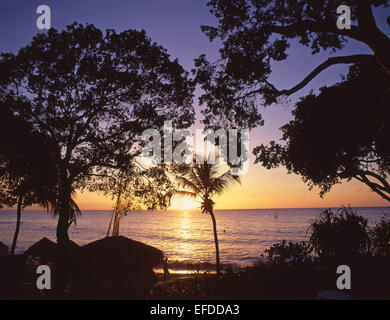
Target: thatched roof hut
(125,249)
(48,250)
(115,267)
(3,249)
(43,248)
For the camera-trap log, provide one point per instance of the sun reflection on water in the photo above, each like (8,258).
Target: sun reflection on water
(184,232)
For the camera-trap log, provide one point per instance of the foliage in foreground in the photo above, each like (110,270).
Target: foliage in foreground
(292,272)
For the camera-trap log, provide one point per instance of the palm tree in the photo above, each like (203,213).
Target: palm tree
(37,193)
(28,169)
(203,179)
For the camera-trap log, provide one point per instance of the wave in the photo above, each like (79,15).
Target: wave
(204,266)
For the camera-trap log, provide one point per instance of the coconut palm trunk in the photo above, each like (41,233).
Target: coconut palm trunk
(18,219)
(216,241)
(202,179)
(118,209)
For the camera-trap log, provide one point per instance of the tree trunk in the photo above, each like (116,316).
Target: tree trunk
(63,258)
(215,240)
(380,45)
(381,49)
(64,213)
(62,227)
(118,209)
(18,218)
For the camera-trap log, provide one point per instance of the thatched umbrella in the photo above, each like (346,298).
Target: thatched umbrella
(48,250)
(115,267)
(44,248)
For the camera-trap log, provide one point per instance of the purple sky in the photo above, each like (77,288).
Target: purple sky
(175,24)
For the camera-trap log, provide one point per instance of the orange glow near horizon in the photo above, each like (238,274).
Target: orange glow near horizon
(185,203)
(262,189)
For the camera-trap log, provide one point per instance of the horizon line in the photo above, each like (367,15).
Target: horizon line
(274,208)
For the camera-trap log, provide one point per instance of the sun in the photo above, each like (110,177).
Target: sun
(185,203)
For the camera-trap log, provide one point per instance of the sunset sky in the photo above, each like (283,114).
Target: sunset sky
(175,24)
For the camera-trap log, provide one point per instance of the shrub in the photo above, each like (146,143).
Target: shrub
(291,252)
(343,233)
(380,238)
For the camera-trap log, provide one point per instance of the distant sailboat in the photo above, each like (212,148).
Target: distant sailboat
(276,215)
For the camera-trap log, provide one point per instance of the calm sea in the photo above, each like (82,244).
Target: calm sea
(184,236)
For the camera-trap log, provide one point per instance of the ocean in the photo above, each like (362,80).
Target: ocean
(185,236)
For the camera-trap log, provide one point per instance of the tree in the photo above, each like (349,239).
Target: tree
(341,133)
(380,238)
(137,188)
(28,174)
(256,32)
(94,94)
(202,179)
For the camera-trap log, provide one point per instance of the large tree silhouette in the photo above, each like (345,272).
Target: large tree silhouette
(256,32)
(93,94)
(341,133)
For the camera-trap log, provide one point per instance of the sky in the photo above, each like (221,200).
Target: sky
(175,24)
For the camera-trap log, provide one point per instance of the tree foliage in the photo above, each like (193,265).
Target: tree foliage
(28,168)
(341,133)
(256,32)
(380,238)
(203,178)
(289,252)
(93,94)
(27,161)
(139,187)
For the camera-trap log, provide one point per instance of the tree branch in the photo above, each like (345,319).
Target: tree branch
(383,191)
(378,177)
(314,26)
(329,62)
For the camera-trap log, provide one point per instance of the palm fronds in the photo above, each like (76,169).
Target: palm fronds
(203,178)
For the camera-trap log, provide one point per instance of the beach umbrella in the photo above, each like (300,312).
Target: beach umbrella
(124,250)
(43,248)
(48,250)
(116,267)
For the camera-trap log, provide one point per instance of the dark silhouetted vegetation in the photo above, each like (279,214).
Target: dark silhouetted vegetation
(299,270)
(340,134)
(93,94)
(28,166)
(289,252)
(341,234)
(380,238)
(203,179)
(257,33)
